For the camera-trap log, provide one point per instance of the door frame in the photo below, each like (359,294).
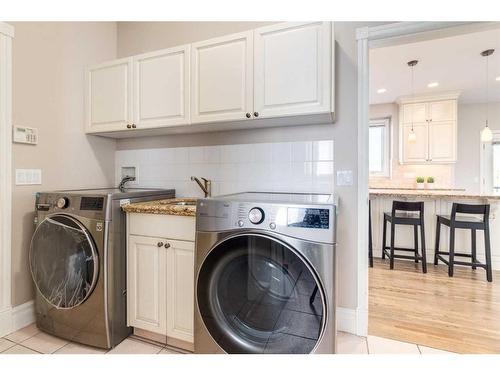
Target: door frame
(379,36)
(6,35)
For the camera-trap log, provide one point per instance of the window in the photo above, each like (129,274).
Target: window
(496,167)
(380,147)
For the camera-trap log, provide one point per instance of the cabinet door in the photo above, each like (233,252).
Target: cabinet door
(442,141)
(444,110)
(417,151)
(416,112)
(293,69)
(180,290)
(222,78)
(161,88)
(146,284)
(109,96)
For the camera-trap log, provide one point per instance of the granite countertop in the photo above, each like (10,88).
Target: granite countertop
(402,193)
(164,207)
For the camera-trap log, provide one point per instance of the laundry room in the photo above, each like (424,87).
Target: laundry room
(188,184)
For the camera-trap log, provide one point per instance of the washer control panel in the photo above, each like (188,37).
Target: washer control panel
(314,222)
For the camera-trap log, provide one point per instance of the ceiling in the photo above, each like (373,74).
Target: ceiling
(454,62)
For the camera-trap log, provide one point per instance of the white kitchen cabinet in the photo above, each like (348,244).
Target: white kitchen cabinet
(435,125)
(222,78)
(109,96)
(161,88)
(180,290)
(293,69)
(147,286)
(160,275)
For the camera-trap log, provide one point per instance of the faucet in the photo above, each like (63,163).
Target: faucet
(124,181)
(206,186)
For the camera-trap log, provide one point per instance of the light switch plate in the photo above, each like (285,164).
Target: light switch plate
(345,178)
(23,134)
(28,176)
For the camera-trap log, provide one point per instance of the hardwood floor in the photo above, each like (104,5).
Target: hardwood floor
(459,314)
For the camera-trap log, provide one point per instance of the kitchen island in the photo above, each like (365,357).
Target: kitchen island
(436,202)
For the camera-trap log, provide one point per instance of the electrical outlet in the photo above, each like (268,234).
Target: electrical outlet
(28,176)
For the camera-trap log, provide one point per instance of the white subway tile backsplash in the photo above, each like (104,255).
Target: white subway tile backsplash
(285,166)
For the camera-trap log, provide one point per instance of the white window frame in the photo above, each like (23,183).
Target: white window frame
(486,161)
(387,153)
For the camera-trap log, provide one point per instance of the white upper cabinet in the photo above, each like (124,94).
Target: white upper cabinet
(222,78)
(435,126)
(161,88)
(109,96)
(293,69)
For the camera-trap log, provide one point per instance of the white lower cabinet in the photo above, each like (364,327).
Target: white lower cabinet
(160,277)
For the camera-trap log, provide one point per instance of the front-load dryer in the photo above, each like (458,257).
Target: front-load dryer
(265,274)
(78,263)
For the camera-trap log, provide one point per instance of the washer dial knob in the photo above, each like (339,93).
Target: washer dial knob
(256,215)
(62,202)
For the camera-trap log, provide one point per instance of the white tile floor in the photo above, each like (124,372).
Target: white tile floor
(30,340)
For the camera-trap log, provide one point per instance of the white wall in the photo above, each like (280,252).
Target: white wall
(132,39)
(49,60)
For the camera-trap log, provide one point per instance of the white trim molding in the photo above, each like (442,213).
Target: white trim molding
(5,175)
(368,37)
(23,315)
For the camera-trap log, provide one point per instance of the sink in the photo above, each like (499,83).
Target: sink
(179,202)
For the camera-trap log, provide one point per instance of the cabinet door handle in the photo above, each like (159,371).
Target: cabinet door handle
(159,244)
(129,126)
(256,114)
(167,245)
(248,115)
(134,126)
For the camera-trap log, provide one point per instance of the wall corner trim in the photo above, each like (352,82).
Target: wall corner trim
(23,315)
(353,321)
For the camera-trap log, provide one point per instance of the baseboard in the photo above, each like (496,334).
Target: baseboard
(5,322)
(354,321)
(23,315)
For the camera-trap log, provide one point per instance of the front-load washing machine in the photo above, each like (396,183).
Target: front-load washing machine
(78,263)
(265,274)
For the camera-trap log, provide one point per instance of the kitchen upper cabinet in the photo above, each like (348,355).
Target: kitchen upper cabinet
(161,88)
(180,290)
(417,151)
(435,126)
(147,284)
(293,69)
(109,96)
(222,78)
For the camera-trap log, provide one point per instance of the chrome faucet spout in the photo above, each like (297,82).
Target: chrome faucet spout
(206,186)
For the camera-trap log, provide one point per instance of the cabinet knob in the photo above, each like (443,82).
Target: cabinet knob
(129,126)
(134,126)
(256,114)
(159,244)
(167,245)
(248,115)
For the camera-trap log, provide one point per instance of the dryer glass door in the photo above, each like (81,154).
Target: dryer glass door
(257,295)
(63,261)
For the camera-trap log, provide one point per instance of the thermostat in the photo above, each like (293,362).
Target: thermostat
(23,134)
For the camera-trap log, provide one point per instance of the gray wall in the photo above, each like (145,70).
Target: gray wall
(48,93)
(135,38)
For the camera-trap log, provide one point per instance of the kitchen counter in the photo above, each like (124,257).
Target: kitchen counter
(428,193)
(174,206)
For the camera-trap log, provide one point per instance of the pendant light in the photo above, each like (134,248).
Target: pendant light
(486,133)
(412,137)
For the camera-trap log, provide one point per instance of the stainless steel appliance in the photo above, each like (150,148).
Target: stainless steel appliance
(265,274)
(78,263)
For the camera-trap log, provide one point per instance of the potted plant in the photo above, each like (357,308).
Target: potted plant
(430,182)
(420,183)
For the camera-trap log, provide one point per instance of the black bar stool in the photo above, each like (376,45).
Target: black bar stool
(370,243)
(465,222)
(412,214)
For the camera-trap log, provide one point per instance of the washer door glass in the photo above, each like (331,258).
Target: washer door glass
(256,295)
(63,261)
